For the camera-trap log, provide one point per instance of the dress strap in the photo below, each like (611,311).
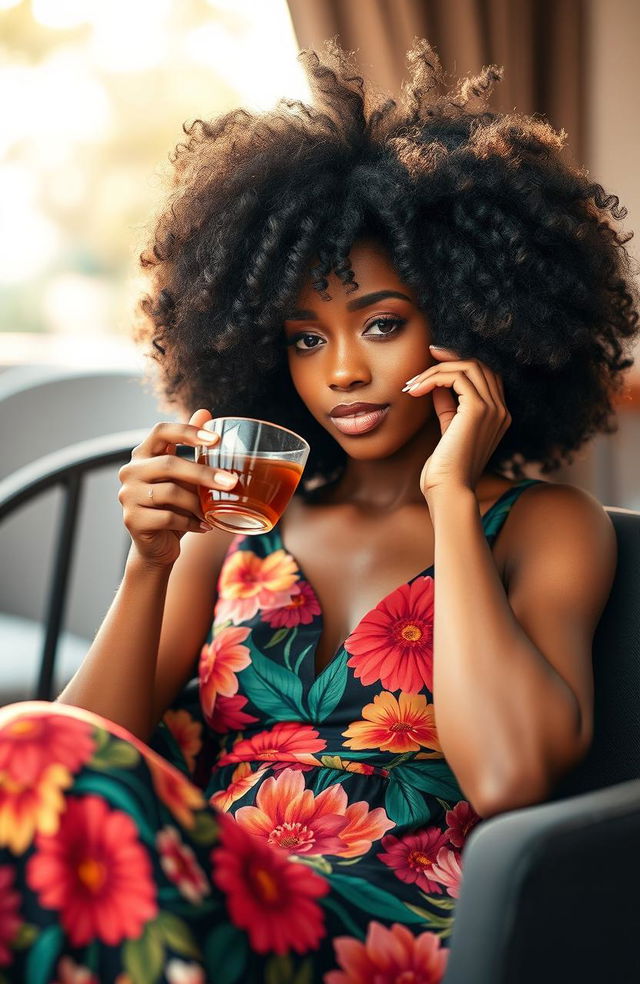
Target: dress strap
(497,514)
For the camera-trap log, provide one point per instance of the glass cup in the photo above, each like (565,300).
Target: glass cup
(268,460)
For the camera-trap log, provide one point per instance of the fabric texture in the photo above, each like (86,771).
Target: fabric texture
(278,827)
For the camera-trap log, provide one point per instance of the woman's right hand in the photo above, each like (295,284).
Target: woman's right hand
(159,490)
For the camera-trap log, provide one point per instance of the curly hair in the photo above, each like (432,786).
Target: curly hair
(516,257)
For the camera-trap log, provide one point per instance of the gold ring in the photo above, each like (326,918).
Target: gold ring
(151,491)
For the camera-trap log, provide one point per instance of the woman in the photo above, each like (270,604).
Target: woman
(312,825)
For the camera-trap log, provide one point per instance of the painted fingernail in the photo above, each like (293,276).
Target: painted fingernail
(226,480)
(205,527)
(409,381)
(207,436)
(440,348)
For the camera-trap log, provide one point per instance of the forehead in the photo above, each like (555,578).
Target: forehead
(372,269)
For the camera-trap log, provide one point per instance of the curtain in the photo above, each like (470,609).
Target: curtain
(540,44)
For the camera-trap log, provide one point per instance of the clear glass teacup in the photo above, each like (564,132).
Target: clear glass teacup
(269,461)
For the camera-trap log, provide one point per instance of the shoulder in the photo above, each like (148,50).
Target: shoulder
(564,526)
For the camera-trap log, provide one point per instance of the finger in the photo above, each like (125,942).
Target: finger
(199,417)
(168,433)
(447,372)
(164,519)
(170,495)
(171,468)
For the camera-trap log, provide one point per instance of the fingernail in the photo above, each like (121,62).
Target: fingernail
(440,348)
(223,478)
(207,435)
(409,381)
(205,527)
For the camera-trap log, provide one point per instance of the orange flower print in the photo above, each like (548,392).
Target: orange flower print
(220,660)
(242,780)
(70,972)
(187,733)
(289,741)
(389,956)
(25,809)
(176,792)
(363,827)
(394,642)
(394,724)
(248,583)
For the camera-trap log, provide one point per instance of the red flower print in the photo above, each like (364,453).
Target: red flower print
(10,921)
(285,742)
(228,714)
(180,866)
(242,780)
(272,898)
(187,733)
(461,820)
(289,816)
(448,870)
(220,660)
(412,857)
(95,872)
(249,583)
(300,611)
(389,956)
(394,724)
(31,743)
(394,642)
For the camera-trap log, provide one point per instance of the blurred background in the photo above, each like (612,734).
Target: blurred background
(94,94)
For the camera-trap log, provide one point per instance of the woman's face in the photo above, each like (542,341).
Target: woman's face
(361,347)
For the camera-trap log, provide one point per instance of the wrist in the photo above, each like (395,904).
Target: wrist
(139,566)
(438,495)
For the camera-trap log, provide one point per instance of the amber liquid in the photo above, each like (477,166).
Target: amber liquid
(259,497)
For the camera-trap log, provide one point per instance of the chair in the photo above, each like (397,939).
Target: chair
(43,409)
(548,891)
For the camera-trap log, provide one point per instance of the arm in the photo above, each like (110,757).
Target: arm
(512,669)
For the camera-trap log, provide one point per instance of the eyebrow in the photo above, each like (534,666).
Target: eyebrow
(360,302)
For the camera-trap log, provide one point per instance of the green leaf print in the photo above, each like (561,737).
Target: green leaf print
(43,955)
(176,934)
(277,637)
(143,958)
(272,688)
(328,688)
(280,970)
(117,755)
(434,777)
(371,899)
(226,954)
(403,803)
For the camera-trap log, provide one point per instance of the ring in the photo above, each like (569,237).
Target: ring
(150,493)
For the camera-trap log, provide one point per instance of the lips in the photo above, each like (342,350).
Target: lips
(349,409)
(360,423)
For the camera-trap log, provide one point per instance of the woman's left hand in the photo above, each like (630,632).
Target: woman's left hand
(472,429)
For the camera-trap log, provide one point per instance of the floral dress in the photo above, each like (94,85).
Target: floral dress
(279,827)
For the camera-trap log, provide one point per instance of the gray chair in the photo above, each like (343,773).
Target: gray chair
(43,409)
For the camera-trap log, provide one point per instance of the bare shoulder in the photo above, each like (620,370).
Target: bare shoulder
(564,524)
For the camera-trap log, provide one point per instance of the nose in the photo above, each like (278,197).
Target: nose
(348,366)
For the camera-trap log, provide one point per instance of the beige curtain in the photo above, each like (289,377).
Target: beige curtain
(540,44)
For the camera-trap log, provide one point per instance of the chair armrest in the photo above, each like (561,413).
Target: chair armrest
(550,892)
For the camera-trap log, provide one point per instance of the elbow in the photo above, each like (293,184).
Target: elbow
(495,798)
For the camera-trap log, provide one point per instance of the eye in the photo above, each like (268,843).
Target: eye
(393,324)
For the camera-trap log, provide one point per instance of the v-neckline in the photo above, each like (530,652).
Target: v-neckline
(311,655)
